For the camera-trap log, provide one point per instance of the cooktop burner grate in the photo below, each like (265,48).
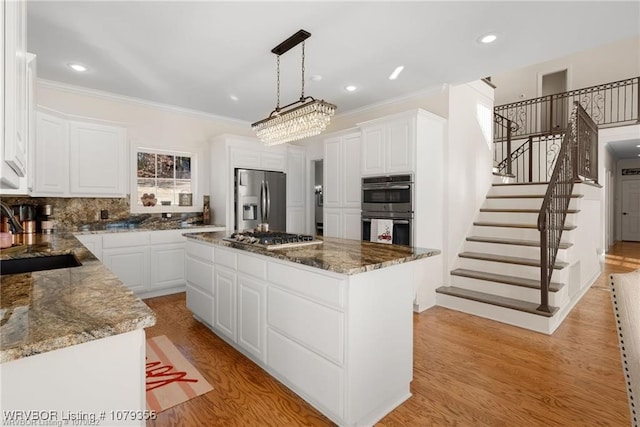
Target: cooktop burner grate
(273,239)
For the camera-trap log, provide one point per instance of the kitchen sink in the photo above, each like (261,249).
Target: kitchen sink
(27,265)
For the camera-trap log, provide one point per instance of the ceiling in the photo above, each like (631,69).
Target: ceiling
(196,55)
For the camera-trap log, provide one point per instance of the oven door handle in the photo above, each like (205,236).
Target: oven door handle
(386,187)
(395,221)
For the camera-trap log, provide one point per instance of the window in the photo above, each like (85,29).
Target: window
(161,177)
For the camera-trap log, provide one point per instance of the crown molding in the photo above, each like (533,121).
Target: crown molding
(109,96)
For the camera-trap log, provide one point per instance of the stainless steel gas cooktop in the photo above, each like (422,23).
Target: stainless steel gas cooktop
(273,239)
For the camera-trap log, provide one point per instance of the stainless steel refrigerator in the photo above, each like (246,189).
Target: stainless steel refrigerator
(260,197)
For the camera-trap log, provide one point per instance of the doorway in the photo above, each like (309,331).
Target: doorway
(631,210)
(318,202)
(555,114)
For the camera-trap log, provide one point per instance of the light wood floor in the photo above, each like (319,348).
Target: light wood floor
(468,371)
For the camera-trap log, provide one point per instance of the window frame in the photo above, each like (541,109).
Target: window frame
(196,205)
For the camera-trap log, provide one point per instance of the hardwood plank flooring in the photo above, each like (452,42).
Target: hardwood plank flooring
(468,371)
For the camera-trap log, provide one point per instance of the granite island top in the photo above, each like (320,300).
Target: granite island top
(48,310)
(342,256)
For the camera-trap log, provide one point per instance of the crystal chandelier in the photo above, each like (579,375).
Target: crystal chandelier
(301,119)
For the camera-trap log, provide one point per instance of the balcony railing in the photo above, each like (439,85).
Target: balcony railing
(608,105)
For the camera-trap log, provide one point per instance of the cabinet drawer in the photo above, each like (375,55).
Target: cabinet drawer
(225,257)
(166,236)
(200,304)
(200,274)
(318,287)
(123,240)
(313,377)
(199,250)
(252,266)
(318,327)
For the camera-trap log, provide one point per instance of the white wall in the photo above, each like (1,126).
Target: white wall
(148,124)
(608,63)
(468,163)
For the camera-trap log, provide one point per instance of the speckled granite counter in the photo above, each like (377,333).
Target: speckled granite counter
(48,310)
(336,255)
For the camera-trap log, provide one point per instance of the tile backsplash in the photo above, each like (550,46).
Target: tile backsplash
(69,213)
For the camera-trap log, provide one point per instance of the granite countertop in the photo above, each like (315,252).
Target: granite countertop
(141,223)
(48,310)
(337,255)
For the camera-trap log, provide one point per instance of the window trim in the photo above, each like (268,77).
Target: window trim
(133,196)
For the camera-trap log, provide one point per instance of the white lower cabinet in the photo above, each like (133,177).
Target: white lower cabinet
(225,301)
(252,315)
(167,266)
(130,264)
(199,275)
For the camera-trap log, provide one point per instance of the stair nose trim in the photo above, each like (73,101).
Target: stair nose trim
(516,242)
(507,280)
(510,303)
(511,225)
(509,260)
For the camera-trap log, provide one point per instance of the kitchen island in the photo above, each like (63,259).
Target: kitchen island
(333,322)
(72,340)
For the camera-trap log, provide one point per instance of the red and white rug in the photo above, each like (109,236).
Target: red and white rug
(171,379)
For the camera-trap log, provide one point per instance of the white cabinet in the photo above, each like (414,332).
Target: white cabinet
(251,315)
(75,158)
(167,266)
(97,154)
(199,268)
(388,146)
(224,319)
(93,242)
(342,186)
(15,93)
(127,256)
(296,180)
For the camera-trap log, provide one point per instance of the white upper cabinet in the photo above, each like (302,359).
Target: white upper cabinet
(96,156)
(79,159)
(388,146)
(342,183)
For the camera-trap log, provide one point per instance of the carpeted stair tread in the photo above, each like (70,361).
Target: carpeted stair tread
(509,280)
(509,259)
(571,211)
(500,301)
(517,242)
(512,225)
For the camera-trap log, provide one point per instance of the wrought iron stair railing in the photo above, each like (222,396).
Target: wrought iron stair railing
(533,160)
(577,160)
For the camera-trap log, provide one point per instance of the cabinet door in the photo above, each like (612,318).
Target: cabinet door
(351,181)
(273,161)
(373,141)
(295,178)
(131,265)
(51,175)
(252,316)
(93,242)
(332,222)
(200,304)
(331,190)
(351,223)
(15,86)
(97,155)
(399,149)
(167,266)
(296,220)
(225,302)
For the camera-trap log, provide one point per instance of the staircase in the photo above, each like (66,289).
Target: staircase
(498,269)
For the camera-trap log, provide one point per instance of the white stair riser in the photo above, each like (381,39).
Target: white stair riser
(505,315)
(507,269)
(517,217)
(532,252)
(502,190)
(517,233)
(525,203)
(497,179)
(556,299)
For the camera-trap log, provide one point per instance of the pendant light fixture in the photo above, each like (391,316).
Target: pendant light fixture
(301,119)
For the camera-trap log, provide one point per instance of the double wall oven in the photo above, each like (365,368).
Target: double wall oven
(388,198)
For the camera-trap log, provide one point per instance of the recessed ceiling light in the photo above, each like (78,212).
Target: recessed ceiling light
(233,97)
(77,67)
(489,38)
(396,72)
(638,146)
(351,88)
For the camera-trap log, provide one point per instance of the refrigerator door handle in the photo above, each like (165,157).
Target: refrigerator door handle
(266,219)
(263,202)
